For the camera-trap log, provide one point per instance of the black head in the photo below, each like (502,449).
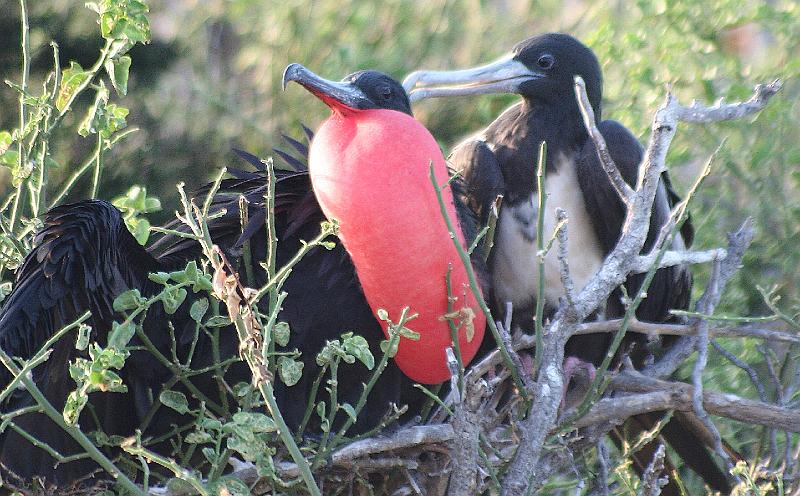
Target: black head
(540,69)
(382,91)
(360,90)
(557,58)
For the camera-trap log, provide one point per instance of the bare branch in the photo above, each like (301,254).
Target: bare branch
(651,482)
(624,191)
(467,426)
(723,405)
(673,258)
(697,377)
(697,114)
(566,279)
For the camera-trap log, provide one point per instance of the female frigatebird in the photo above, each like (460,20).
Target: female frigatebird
(501,160)
(84,257)
(369,167)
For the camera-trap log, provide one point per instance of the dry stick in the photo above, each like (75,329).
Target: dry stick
(602,458)
(781,400)
(651,482)
(524,342)
(697,378)
(652,395)
(723,405)
(563,239)
(467,427)
(624,191)
(750,371)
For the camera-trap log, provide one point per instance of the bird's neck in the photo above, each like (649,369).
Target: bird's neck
(517,134)
(558,123)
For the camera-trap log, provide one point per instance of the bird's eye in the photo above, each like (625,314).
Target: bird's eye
(386,93)
(546,61)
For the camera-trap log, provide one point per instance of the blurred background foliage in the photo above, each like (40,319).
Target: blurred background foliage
(210,80)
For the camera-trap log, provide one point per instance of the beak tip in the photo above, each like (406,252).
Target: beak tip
(290,74)
(411,80)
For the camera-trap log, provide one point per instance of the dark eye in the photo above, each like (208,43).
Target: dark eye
(386,93)
(546,61)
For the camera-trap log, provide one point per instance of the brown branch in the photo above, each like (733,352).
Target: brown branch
(722,405)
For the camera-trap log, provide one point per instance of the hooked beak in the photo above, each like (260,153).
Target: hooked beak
(339,96)
(504,75)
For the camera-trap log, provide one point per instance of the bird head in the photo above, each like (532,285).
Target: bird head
(541,69)
(360,90)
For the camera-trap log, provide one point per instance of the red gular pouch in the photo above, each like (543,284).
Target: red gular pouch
(370,172)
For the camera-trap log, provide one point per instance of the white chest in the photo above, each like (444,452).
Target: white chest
(515,269)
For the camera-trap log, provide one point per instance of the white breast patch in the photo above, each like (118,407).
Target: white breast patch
(515,269)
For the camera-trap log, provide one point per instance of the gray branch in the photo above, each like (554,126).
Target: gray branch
(624,191)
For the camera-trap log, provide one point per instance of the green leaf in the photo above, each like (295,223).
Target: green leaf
(210,454)
(159,277)
(321,409)
(230,486)
(94,116)
(82,342)
(118,70)
(218,321)
(198,309)
(175,400)
(290,370)
(281,333)
(71,78)
(5,141)
(173,299)
(121,335)
(211,424)
(198,437)
(255,422)
(9,159)
(358,347)
(349,410)
(141,230)
(123,20)
(73,407)
(128,300)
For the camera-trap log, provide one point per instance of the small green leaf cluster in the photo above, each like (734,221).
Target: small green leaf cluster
(133,204)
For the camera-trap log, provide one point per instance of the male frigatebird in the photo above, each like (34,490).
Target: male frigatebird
(370,170)
(84,257)
(501,160)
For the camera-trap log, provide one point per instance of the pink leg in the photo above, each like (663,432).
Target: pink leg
(583,374)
